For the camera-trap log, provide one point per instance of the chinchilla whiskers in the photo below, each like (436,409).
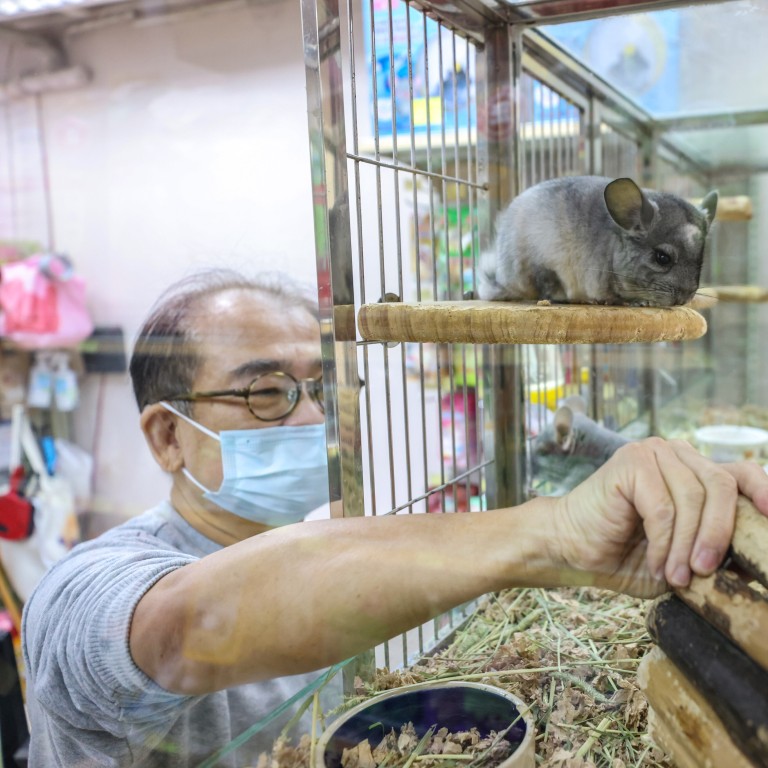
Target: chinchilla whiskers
(652,286)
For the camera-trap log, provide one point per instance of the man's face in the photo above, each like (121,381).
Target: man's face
(239,333)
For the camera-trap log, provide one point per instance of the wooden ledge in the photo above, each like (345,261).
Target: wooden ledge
(499,322)
(735,208)
(737,293)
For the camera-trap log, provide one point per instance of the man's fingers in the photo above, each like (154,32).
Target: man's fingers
(651,497)
(753,482)
(687,505)
(715,515)
(683,478)
(690,497)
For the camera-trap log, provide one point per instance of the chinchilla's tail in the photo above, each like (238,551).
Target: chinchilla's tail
(488,289)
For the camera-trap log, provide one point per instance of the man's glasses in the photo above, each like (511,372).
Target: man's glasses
(270,396)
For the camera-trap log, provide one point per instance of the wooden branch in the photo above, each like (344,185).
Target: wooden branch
(749,546)
(726,600)
(735,293)
(502,322)
(681,721)
(734,685)
(729,604)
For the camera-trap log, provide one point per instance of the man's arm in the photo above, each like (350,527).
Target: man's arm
(305,596)
(299,598)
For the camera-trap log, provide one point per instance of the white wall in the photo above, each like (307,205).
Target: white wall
(188,149)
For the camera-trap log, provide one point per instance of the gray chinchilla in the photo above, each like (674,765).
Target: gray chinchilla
(571,447)
(591,240)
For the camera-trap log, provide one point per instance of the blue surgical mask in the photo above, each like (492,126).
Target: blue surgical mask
(274,476)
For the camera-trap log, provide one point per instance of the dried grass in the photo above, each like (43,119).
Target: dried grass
(571,654)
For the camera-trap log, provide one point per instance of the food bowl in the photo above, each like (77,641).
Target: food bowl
(731,442)
(457,706)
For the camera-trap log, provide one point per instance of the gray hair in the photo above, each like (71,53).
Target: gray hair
(165,359)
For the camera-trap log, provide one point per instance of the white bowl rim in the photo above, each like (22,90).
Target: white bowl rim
(523,708)
(731,435)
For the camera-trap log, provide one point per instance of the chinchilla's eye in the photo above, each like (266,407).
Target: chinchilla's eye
(662,258)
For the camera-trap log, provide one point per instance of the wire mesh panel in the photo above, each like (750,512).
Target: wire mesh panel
(552,133)
(621,154)
(416,158)
(420,133)
(401,142)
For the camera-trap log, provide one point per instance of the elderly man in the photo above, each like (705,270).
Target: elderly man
(165,638)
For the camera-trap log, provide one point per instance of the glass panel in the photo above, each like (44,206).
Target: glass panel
(678,61)
(722,147)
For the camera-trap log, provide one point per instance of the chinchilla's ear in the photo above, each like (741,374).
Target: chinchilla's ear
(576,403)
(628,206)
(563,424)
(709,206)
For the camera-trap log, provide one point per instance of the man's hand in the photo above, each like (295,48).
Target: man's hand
(656,512)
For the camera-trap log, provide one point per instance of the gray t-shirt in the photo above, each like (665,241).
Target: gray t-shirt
(90,705)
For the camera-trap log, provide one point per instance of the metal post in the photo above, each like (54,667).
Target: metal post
(499,147)
(341,383)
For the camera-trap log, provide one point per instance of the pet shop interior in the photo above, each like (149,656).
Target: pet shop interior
(369,147)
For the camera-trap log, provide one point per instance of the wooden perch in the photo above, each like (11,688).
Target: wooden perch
(681,721)
(725,598)
(735,293)
(730,605)
(734,685)
(501,322)
(733,208)
(749,545)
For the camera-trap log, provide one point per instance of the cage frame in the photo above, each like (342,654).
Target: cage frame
(508,46)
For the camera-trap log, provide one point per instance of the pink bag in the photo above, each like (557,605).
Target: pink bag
(42,303)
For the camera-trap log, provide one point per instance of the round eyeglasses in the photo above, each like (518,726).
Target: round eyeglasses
(270,396)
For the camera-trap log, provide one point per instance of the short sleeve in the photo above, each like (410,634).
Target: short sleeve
(76,632)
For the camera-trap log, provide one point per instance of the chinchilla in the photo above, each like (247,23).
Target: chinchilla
(571,447)
(593,240)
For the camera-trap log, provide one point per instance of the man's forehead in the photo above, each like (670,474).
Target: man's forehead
(259,296)
(243,357)
(239,326)
(255,344)
(241,313)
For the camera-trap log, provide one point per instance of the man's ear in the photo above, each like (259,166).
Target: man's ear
(159,428)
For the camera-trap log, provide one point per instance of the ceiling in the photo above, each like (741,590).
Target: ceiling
(51,24)
(719,113)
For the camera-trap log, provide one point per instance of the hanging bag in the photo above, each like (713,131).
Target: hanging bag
(42,303)
(56,529)
(16,511)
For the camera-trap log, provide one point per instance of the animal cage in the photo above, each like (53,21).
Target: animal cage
(425,120)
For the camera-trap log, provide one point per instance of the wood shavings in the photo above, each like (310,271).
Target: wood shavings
(405,748)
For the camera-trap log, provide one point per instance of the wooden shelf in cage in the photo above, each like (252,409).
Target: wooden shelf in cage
(500,322)
(736,293)
(734,208)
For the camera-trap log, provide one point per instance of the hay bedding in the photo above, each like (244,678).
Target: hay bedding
(572,654)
